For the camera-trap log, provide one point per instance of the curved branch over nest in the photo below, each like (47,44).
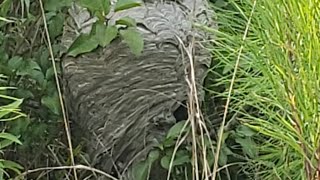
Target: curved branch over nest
(124,102)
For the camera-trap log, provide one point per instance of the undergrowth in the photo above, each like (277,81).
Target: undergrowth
(275,90)
(266,66)
(9,111)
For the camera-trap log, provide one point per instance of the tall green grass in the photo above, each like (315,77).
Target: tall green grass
(276,90)
(9,111)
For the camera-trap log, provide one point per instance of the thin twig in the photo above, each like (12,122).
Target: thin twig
(66,123)
(192,110)
(219,143)
(179,141)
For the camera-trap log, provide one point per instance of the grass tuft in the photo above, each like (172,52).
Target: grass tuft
(276,88)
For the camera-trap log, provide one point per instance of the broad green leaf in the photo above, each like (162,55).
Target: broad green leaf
(208,142)
(5,143)
(223,158)
(126,4)
(52,103)
(96,5)
(58,68)
(83,44)
(56,49)
(10,137)
(249,147)
(2,38)
(100,15)
(55,25)
(5,7)
(127,21)
(49,73)
(109,34)
(210,158)
(176,129)
(245,130)
(5,71)
(225,136)
(50,87)
(227,150)
(134,40)
(15,62)
(44,59)
(105,34)
(169,142)
(33,65)
(221,3)
(224,152)
(169,151)
(181,157)
(50,15)
(140,171)
(37,75)
(153,156)
(21,125)
(165,162)
(55,5)
(31,68)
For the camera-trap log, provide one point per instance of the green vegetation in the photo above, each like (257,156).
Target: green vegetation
(276,84)
(9,111)
(25,63)
(265,51)
(102,34)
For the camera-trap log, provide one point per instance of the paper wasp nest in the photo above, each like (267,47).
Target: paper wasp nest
(122,102)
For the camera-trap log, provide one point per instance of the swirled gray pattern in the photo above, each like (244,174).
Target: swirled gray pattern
(125,103)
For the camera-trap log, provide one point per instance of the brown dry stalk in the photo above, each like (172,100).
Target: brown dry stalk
(65,120)
(194,113)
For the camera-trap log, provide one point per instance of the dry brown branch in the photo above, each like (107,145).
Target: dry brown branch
(65,120)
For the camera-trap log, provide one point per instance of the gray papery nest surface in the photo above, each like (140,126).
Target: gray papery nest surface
(124,103)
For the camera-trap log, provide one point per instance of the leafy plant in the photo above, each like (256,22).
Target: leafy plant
(102,34)
(175,154)
(164,153)
(25,64)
